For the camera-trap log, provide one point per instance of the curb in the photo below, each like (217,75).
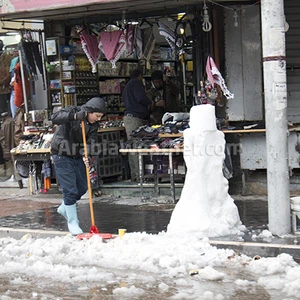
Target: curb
(261,249)
(246,248)
(35,233)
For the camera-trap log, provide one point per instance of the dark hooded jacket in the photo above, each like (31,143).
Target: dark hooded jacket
(7,136)
(67,139)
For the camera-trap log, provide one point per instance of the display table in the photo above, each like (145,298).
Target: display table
(240,131)
(109,129)
(30,154)
(155,152)
(170,152)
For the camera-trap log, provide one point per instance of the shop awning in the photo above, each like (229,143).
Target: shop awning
(75,9)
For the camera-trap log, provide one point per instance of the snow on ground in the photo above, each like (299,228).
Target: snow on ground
(138,264)
(179,264)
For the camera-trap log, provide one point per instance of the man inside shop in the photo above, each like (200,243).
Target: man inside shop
(164,94)
(136,113)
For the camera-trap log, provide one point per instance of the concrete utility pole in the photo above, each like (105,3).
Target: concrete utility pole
(274,68)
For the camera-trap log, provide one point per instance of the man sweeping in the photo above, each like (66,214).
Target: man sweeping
(68,154)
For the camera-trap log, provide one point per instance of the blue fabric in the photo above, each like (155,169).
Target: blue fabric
(13,63)
(71,175)
(13,107)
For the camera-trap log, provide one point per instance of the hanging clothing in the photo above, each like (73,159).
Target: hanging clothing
(19,124)
(112,44)
(35,48)
(167,30)
(28,58)
(32,57)
(129,39)
(130,31)
(89,44)
(5,60)
(7,141)
(148,44)
(18,86)
(138,42)
(13,107)
(13,63)
(214,76)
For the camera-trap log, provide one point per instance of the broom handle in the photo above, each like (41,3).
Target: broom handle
(88,174)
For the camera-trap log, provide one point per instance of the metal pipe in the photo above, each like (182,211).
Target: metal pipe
(184,82)
(23,29)
(23,21)
(23,82)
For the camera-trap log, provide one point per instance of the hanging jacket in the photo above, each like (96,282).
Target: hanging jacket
(5,60)
(19,124)
(7,136)
(18,86)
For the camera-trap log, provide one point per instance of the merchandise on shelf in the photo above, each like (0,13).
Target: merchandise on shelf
(55,84)
(69,88)
(67,65)
(65,49)
(111,123)
(38,115)
(111,86)
(82,64)
(56,97)
(162,53)
(66,75)
(112,102)
(122,68)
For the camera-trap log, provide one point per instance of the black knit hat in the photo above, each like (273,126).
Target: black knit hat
(95,104)
(156,75)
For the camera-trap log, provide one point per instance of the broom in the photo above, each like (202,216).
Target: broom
(93,229)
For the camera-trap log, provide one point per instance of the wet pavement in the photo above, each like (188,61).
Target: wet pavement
(135,216)
(19,210)
(109,217)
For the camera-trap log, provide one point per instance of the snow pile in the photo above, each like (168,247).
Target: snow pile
(205,207)
(265,235)
(139,263)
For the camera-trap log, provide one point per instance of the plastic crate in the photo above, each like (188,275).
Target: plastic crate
(109,159)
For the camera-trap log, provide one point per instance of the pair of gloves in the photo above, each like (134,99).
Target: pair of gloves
(80,116)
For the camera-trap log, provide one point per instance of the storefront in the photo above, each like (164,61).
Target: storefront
(219,29)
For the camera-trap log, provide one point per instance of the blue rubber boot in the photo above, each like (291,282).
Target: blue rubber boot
(62,210)
(73,222)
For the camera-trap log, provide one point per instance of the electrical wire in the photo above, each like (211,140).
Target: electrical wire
(234,9)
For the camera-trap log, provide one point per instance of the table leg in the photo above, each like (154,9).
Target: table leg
(141,175)
(155,175)
(172,177)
